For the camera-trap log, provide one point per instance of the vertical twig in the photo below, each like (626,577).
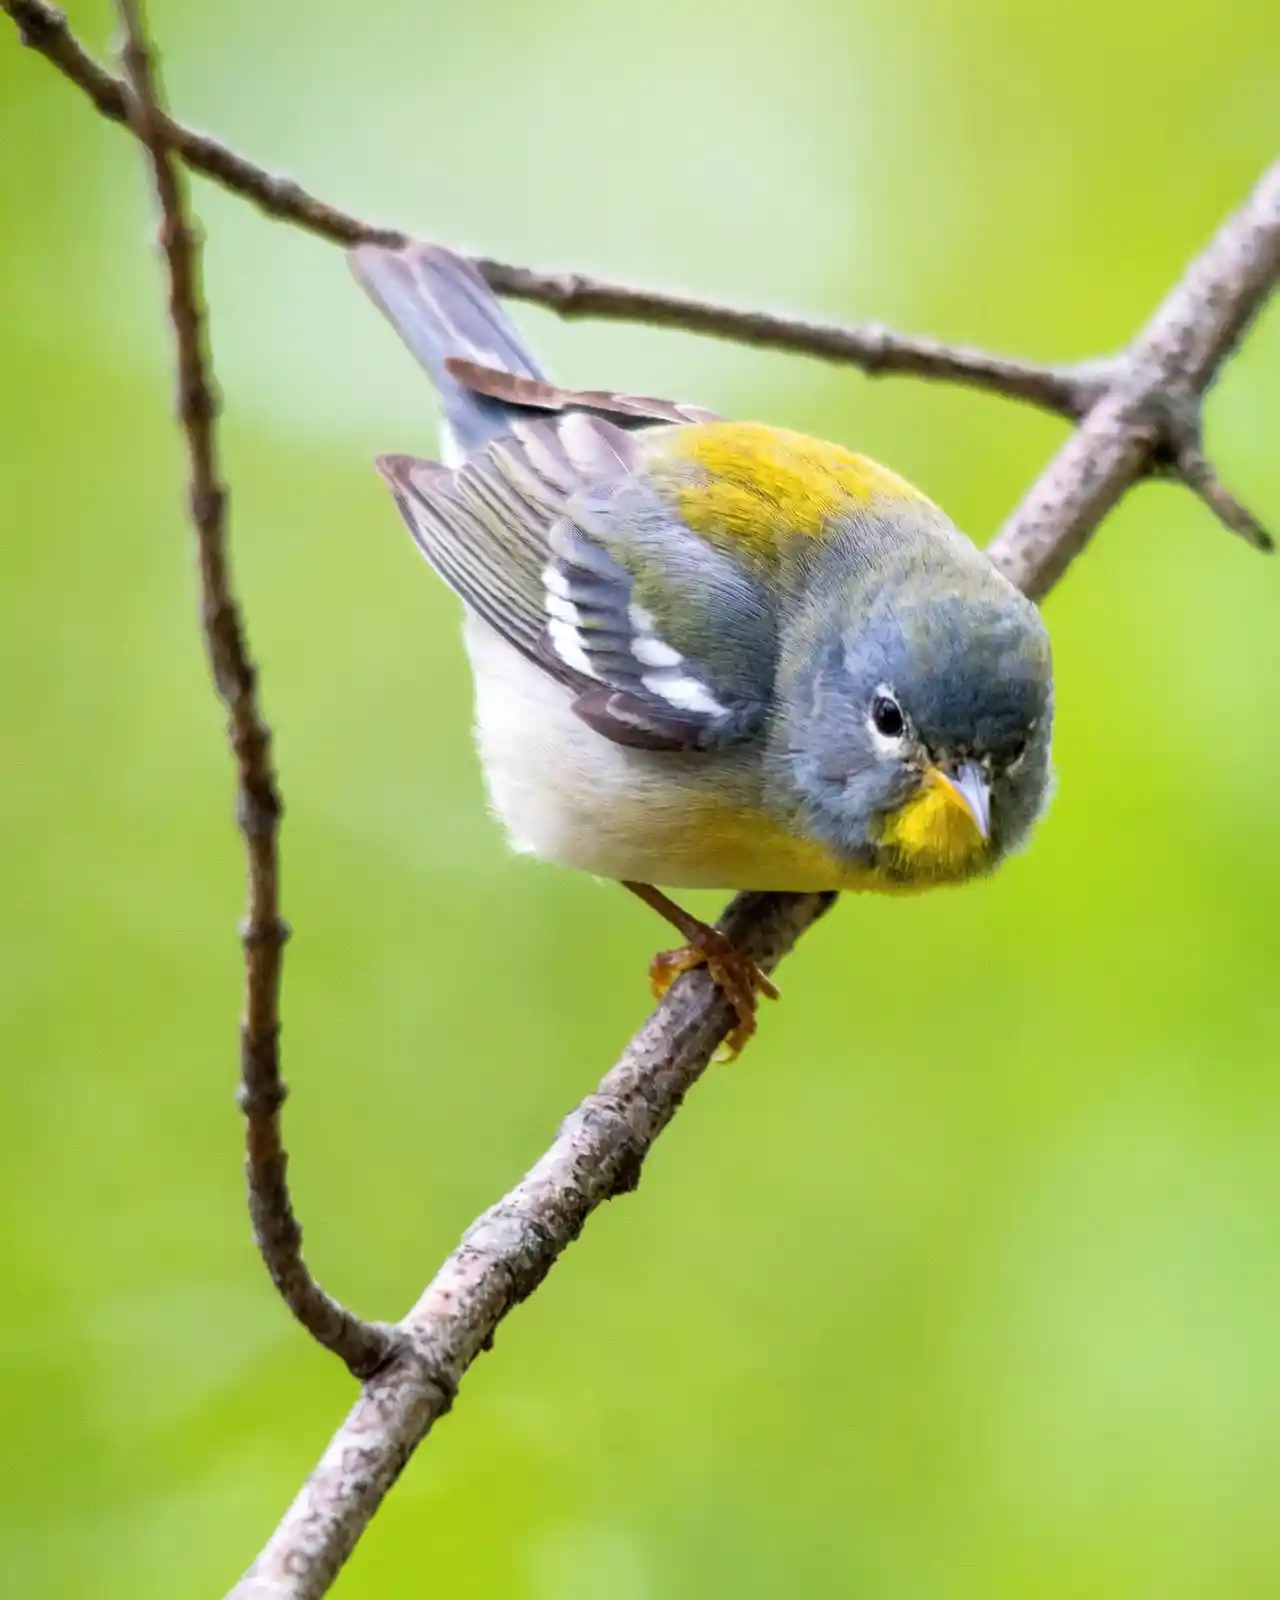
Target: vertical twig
(258,809)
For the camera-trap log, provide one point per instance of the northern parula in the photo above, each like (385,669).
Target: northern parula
(710,653)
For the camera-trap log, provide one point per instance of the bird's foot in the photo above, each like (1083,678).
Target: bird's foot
(738,976)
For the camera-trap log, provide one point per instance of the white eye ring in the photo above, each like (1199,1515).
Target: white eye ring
(886,720)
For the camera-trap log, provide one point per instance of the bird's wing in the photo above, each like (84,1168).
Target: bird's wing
(536,394)
(549,536)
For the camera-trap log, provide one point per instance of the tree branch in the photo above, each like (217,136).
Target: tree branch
(258,809)
(1155,399)
(1068,390)
(506,1253)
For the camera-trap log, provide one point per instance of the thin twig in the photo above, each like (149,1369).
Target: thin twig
(1194,468)
(1068,390)
(601,1146)
(258,809)
(874,349)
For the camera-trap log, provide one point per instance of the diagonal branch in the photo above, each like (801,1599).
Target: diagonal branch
(362,1346)
(1166,372)
(1068,390)
(600,1148)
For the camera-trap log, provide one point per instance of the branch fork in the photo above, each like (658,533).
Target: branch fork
(1174,417)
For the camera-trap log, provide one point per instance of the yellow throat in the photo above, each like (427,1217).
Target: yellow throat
(934,837)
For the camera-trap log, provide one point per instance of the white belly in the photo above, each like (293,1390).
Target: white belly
(566,794)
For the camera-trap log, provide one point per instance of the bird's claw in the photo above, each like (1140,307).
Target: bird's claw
(741,980)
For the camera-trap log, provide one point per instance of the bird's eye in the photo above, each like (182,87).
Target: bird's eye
(1015,753)
(886,717)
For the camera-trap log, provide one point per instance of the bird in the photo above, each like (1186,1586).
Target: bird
(709,653)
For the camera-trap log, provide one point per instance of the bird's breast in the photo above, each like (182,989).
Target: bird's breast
(567,795)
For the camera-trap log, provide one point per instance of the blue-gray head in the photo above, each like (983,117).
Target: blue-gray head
(918,720)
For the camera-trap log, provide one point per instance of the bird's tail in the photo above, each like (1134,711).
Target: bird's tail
(440,306)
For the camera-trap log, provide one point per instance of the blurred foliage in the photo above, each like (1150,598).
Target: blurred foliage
(965,1282)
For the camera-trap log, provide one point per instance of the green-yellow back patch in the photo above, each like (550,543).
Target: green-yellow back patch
(751,485)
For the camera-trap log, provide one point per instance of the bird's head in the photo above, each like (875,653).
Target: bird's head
(917,724)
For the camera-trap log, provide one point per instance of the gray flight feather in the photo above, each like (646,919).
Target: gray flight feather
(442,308)
(546,532)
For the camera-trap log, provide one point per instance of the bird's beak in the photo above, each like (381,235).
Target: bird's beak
(971,783)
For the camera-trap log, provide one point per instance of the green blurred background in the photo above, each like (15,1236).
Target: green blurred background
(965,1281)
